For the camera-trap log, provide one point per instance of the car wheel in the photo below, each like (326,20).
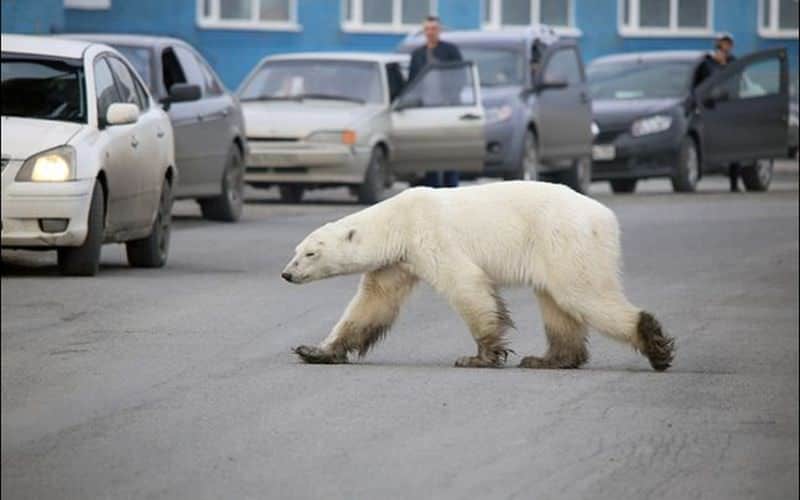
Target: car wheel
(85,259)
(227,207)
(529,163)
(374,186)
(578,177)
(153,250)
(623,186)
(687,174)
(291,193)
(758,176)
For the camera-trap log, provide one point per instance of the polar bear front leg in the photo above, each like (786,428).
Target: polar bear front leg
(367,318)
(473,295)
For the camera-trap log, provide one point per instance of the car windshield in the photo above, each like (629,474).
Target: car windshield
(139,57)
(353,81)
(496,67)
(49,89)
(639,80)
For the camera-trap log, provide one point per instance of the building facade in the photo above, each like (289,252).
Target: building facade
(235,34)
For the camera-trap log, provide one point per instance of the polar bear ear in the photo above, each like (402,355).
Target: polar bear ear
(350,235)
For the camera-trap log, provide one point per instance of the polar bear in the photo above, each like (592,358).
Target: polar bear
(467,243)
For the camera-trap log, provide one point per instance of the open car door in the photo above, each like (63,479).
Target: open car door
(437,121)
(744,109)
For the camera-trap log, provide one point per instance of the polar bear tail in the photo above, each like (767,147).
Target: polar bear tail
(659,348)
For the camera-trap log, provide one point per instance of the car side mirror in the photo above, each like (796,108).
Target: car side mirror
(407,102)
(121,113)
(184,92)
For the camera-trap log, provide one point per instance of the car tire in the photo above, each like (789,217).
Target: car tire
(623,186)
(152,251)
(84,260)
(529,161)
(757,177)
(291,193)
(227,207)
(687,173)
(373,189)
(578,177)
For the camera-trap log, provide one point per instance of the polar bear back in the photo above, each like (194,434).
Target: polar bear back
(519,233)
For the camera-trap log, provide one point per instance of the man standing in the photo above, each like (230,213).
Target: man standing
(434,51)
(714,62)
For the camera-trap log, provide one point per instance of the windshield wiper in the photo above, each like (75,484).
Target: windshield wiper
(332,97)
(271,98)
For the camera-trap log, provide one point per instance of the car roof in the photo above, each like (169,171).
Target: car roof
(125,39)
(653,56)
(44,45)
(506,36)
(341,56)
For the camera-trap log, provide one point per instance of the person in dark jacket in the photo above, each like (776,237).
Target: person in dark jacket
(713,63)
(434,51)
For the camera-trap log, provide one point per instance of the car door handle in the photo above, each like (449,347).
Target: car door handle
(469,116)
(134,142)
(160,133)
(584,97)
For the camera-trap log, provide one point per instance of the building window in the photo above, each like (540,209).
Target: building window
(665,17)
(87,4)
(501,13)
(778,18)
(248,14)
(385,15)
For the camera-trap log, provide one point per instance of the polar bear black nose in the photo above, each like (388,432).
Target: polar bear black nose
(287,276)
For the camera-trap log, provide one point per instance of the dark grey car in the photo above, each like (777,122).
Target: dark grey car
(210,143)
(538,109)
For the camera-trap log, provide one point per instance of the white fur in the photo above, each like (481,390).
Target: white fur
(466,242)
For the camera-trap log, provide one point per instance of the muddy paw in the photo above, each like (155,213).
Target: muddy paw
(533,362)
(477,362)
(315,355)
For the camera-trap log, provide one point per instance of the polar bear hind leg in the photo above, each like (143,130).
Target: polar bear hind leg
(566,337)
(367,318)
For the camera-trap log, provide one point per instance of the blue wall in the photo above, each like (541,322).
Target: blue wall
(234,52)
(32,16)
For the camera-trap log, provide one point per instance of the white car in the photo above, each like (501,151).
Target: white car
(87,154)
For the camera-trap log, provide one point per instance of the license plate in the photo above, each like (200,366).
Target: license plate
(603,152)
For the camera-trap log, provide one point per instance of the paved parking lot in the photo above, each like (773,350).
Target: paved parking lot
(179,383)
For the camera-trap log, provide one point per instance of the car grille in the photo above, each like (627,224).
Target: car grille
(608,135)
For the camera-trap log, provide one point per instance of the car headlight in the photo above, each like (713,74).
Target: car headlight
(347,137)
(499,113)
(651,125)
(595,129)
(53,165)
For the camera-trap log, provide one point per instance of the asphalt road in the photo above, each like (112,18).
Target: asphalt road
(179,383)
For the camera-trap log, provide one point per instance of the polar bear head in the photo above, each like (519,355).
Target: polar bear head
(334,249)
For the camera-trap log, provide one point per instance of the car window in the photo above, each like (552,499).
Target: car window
(210,82)
(127,88)
(442,86)
(105,88)
(761,78)
(639,79)
(497,66)
(44,88)
(139,57)
(191,68)
(564,65)
(172,69)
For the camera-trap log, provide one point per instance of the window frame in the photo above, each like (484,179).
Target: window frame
(770,28)
(213,21)
(142,101)
(495,16)
(635,30)
(357,24)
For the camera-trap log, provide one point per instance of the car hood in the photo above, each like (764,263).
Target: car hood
(621,112)
(497,96)
(298,119)
(24,137)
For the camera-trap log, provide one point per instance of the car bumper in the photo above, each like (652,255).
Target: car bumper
(30,210)
(306,163)
(635,157)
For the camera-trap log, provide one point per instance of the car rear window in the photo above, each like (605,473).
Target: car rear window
(43,88)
